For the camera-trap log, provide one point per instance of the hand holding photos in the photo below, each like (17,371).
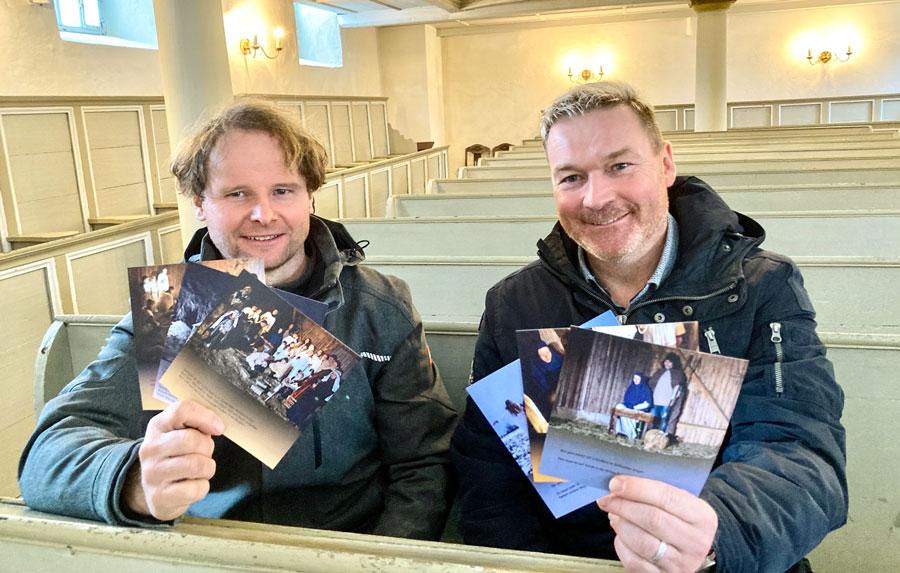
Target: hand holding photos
(233,367)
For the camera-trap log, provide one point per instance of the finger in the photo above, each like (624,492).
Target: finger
(178,443)
(172,501)
(653,520)
(670,499)
(632,562)
(186,414)
(171,470)
(646,545)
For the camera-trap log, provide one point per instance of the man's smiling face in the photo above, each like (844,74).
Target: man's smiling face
(609,184)
(256,206)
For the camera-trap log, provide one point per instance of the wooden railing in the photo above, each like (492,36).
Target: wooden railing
(72,164)
(791,112)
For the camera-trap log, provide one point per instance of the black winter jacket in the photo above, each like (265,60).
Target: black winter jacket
(778,485)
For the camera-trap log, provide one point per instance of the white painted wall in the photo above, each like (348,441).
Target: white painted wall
(412,75)
(35,61)
(360,75)
(769,51)
(495,84)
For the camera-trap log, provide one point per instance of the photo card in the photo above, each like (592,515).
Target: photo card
(204,292)
(155,291)
(492,394)
(541,354)
(691,397)
(266,392)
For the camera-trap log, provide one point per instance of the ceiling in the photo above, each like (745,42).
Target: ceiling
(470,16)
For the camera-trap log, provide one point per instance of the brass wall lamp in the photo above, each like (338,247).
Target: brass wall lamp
(586,75)
(826,56)
(253,46)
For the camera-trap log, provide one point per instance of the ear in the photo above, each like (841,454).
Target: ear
(669,170)
(198,208)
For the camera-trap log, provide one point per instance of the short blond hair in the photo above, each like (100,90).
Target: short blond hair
(302,152)
(583,99)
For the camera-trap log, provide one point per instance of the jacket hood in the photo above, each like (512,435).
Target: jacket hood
(712,241)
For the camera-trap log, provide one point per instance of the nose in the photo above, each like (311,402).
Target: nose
(598,192)
(262,211)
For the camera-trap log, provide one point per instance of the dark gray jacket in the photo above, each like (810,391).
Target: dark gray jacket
(376,461)
(779,483)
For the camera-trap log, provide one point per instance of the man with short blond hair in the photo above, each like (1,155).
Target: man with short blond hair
(634,239)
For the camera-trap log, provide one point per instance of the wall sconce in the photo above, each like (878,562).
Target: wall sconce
(248,46)
(826,56)
(586,75)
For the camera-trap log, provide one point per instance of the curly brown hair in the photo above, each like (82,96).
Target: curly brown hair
(190,165)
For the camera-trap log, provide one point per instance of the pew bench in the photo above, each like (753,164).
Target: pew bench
(43,543)
(510,203)
(865,365)
(164,207)
(22,241)
(793,233)
(98,223)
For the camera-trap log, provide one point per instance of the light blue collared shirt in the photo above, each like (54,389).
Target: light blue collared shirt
(663,268)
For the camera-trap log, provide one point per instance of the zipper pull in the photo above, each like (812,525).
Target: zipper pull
(710,335)
(622,318)
(776,331)
(779,357)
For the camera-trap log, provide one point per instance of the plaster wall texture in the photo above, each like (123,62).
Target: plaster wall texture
(410,58)
(495,85)
(360,75)
(767,52)
(766,60)
(37,62)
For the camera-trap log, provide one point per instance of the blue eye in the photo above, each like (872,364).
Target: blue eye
(568,179)
(620,166)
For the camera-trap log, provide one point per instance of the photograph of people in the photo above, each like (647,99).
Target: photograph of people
(638,396)
(669,387)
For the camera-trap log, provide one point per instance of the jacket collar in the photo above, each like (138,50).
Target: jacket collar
(332,242)
(712,243)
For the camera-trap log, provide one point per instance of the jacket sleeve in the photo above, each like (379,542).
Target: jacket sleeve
(87,437)
(415,420)
(499,507)
(781,486)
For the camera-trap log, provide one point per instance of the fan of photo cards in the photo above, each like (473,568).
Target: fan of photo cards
(215,334)
(584,404)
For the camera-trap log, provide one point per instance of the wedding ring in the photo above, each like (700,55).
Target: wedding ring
(659,552)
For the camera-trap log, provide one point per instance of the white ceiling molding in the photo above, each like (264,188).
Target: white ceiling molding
(455,17)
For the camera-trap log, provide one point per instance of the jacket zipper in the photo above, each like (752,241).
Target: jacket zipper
(779,356)
(624,317)
(711,341)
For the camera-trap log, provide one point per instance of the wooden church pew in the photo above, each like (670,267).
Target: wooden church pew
(719,155)
(873,506)
(43,543)
(875,140)
(509,204)
(870,171)
(793,233)
(841,288)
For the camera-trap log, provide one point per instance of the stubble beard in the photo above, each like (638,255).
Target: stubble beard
(629,252)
